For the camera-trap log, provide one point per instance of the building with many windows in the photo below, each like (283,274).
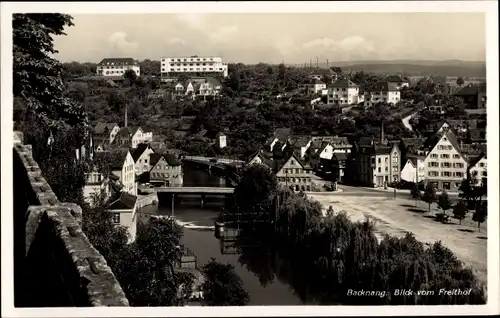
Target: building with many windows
(383,92)
(193,66)
(343,92)
(445,165)
(117,66)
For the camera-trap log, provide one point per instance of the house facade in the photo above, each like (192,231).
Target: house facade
(295,174)
(379,165)
(141,156)
(398,81)
(478,169)
(123,207)
(194,66)
(105,132)
(383,92)
(117,66)
(166,170)
(123,167)
(343,92)
(414,169)
(313,86)
(133,136)
(445,165)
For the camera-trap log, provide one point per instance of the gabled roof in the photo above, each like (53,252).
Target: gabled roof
(301,141)
(292,155)
(117,61)
(473,149)
(395,79)
(122,201)
(383,150)
(169,158)
(471,89)
(473,161)
(101,127)
(128,131)
(344,83)
(137,152)
(265,160)
(117,158)
(340,156)
(452,138)
(384,86)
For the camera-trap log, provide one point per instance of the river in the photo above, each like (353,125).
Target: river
(267,282)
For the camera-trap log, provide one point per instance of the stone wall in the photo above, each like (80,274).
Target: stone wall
(55,265)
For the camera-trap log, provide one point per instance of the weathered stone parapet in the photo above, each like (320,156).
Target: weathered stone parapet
(54,246)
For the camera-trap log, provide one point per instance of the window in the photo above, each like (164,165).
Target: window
(445,165)
(456,156)
(481,164)
(446,185)
(292,162)
(386,169)
(386,160)
(433,164)
(116,218)
(379,160)
(445,156)
(484,174)
(458,165)
(379,169)
(434,156)
(433,173)
(446,174)
(459,174)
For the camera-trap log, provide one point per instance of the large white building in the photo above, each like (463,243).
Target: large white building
(343,92)
(117,66)
(383,92)
(193,66)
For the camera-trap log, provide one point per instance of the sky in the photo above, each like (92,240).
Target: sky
(293,38)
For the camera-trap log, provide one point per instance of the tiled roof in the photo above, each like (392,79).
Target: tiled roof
(301,141)
(382,150)
(117,158)
(169,158)
(302,163)
(122,201)
(340,156)
(344,83)
(476,159)
(471,89)
(384,86)
(128,131)
(409,142)
(137,152)
(101,127)
(117,61)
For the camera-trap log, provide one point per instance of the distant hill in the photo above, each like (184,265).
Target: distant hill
(415,67)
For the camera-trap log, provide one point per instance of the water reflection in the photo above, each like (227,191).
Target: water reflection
(268,262)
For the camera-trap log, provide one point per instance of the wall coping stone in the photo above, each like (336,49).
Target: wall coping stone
(102,286)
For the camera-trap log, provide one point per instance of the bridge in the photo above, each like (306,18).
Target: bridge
(189,190)
(226,161)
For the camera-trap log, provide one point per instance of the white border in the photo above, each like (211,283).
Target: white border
(491,9)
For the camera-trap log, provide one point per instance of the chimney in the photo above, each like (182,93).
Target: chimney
(382,134)
(126,110)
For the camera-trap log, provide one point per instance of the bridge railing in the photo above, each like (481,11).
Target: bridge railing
(55,265)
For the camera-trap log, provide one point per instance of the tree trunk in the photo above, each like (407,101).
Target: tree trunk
(479,226)
(429,207)
(460,221)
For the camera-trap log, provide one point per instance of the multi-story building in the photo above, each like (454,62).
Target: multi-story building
(414,169)
(193,66)
(105,132)
(398,81)
(124,210)
(383,92)
(322,74)
(117,66)
(474,96)
(122,167)
(379,164)
(343,92)
(478,169)
(166,170)
(313,86)
(295,174)
(133,136)
(445,165)
(141,156)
